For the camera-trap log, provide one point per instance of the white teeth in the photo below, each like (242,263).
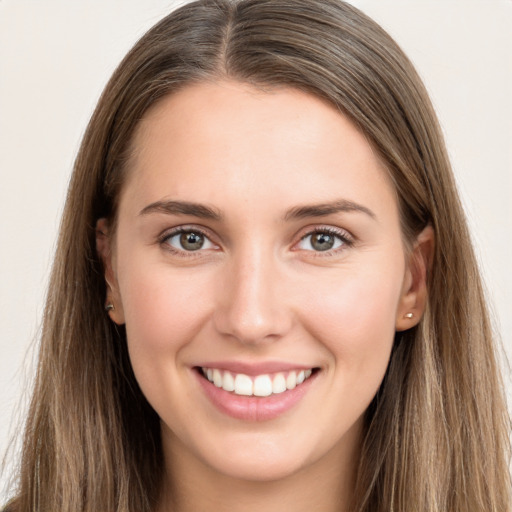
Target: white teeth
(243,385)
(291,380)
(278,384)
(217,378)
(260,385)
(228,382)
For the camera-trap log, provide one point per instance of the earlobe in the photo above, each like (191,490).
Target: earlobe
(113,304)
(414,296)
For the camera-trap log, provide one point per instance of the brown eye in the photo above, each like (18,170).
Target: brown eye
(321,241)
(188,241)
(191,241)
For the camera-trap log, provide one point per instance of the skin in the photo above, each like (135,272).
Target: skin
(258,290)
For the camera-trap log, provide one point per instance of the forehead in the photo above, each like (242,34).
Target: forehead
(231,142)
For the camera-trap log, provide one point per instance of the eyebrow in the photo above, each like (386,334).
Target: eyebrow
(298,212)
(322,209)
(183,208)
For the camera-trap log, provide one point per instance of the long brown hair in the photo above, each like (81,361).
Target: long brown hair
(436,434)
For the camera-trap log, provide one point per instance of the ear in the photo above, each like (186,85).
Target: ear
(104,250)
(414,295)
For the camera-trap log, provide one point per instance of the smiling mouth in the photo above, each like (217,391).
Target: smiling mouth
(258,385)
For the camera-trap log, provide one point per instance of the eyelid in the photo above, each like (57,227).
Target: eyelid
(187,228)
(345,236)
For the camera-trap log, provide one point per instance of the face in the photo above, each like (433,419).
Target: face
(259,267)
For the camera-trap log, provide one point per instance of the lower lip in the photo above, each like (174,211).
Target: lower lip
(254,408)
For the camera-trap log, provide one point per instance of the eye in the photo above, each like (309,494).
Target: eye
(188,240)
(324,240)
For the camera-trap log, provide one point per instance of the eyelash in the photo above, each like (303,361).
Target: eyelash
(166,236)
(346,239)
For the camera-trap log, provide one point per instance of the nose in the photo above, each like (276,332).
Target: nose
(252,303)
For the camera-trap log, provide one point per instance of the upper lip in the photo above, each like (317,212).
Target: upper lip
(253,369)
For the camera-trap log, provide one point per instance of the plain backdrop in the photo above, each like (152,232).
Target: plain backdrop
(56,56)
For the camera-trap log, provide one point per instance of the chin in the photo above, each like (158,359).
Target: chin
(260,470)
(261,456)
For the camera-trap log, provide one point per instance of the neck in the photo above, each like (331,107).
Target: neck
(190,485)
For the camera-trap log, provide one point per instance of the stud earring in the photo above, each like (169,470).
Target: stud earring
(110,307)
(407,315)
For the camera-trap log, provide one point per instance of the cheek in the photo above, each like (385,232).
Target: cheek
(356,322)
(163,310)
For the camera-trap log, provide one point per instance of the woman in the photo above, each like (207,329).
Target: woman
(264,294)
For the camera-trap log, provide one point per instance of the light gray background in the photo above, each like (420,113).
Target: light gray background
(56,56)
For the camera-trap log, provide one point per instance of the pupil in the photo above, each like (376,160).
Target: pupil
(191,241)
(322,241)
